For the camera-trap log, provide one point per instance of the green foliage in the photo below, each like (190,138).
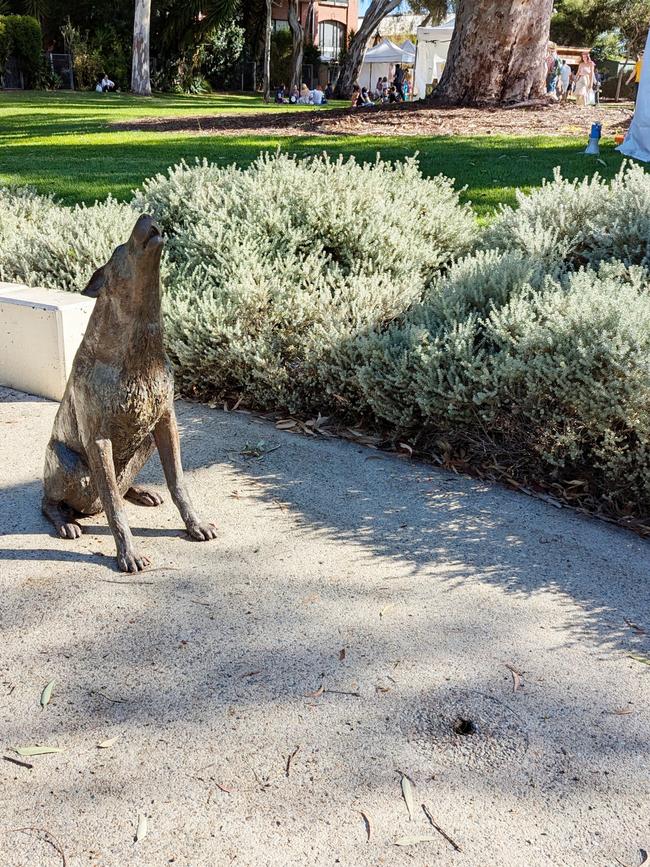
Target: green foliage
(5,43)
(43,244)
(580,222)
(281,46)
(20,36)
(275,266)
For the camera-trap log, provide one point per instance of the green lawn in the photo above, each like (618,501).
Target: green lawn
(61,143)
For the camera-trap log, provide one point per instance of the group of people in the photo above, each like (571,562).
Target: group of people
(304,95)
(585,83)
(561,81)
(399,89)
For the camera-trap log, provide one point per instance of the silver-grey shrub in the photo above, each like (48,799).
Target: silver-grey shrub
(551,379)
(45,244)
(272,270)
(581,221)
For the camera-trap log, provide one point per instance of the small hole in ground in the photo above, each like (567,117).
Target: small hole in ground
(464,726)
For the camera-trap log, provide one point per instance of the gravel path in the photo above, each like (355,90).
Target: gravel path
(269,688)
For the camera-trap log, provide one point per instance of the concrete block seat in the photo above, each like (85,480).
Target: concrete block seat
(40,332)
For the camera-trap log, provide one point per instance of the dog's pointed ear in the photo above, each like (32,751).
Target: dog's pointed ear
(95,284)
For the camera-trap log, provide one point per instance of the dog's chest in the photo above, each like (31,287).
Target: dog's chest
(133,403)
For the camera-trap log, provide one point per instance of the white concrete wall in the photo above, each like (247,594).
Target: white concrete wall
(40,332)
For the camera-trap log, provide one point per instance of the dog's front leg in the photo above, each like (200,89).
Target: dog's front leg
(166,437)
(100,458)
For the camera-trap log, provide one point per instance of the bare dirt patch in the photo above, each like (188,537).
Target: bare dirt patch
(400,120)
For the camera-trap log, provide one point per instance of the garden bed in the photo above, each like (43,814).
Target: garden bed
(407,119)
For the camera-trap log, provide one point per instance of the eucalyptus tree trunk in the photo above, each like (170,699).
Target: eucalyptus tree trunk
(497,53)
(375,14)
(140,77)
(268,27)
(298,48)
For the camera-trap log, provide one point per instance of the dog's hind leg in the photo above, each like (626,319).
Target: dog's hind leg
(61,516)
(136,493)
(143,496)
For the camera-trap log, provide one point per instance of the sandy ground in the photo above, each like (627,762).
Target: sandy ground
(354,606)
(410,119)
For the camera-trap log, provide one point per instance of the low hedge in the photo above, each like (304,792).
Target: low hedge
(20,36)
(368,293)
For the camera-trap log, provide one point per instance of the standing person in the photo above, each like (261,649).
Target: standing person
(635,75)
(406,86)
(565,80)
(553,67)
(584,79)
(399,78)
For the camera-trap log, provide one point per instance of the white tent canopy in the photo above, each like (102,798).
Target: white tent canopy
(432,50)
(637,140)
(381,61)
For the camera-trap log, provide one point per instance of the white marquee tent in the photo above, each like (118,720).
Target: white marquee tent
(637,140)
(432,50)
(381,60)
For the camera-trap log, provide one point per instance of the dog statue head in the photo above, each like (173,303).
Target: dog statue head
(132,274)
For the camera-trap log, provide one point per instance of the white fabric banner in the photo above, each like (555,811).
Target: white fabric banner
(637,140)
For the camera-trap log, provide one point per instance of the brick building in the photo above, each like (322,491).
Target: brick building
(328,25)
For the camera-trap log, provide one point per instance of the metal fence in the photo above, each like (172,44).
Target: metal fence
(12,78)
(58,71)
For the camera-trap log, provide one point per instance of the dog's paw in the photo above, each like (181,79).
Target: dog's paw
(70,530)
(143,497)
(202,532)
(132,561)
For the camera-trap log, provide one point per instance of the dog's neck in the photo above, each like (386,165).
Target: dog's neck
(129,330)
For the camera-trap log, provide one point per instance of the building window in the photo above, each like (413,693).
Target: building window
(331,39)
(333,3)
(280,24)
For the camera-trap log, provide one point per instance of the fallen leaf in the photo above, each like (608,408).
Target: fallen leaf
(386,609)
(342,654)
(37,751)
(46,695)
(366,821)
(407,792)
(435,825)
(635,626)
(620,711)
(407,448)
(413,841)
(107,744)
(516,677)
(286,424)
(141,831)
(317,693)
(602,162)
(637,656)
(644,859)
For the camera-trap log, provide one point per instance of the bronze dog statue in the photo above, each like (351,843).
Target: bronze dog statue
(118,405)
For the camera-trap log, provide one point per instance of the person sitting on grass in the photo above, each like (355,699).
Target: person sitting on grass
(280,98)
(294,96)
(356,101)
(365,97)
(329,91)
(393,95)
(317,95)
(305,95)
(105,85)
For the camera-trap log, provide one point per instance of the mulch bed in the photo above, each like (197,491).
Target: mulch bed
(409,119)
